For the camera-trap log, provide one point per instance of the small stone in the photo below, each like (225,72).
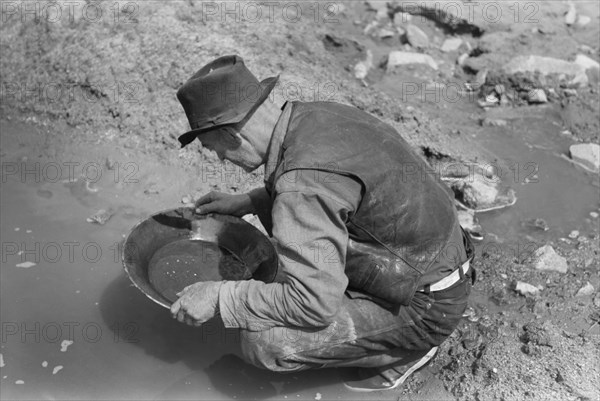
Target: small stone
(537,96)
(416,37)
(20,382)
(492,99)
(593,215)
(583,20)
(26,265)
(318,396)
(538,224)
(361,69)
(57,369)
(186,199)
(586,62)
(151,190)
(100,217)
(45,364)
(574,234)
(402,18)
(64,345)
(571,15)
(526,289)
(587,155)
(386,33)
(110,163)
(396,58)
(462,58)
(451,44)
(570,92)
(547,259)
(2,361)
(586,290)
(504,276)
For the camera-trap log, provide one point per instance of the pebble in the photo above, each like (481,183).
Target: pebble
(318,396)
(587,155)
(186,199)
(396,58)
(547,259)
(537,96)
(26,265)
(586,62)
(386,33)
(583,20)
(64,345)
(593,215)
(571,15)
(451,44)
(526,289)
(45,364)
(547,66)
(28,231)
(17,228)
(586,290)
(461,59)
(574,234)
(57,369)
(100,217)
(490,122)
(20,382)
(2,361)
(570,92)
(416,37)
(401,18)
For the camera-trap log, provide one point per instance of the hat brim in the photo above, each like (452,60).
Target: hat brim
(266,85)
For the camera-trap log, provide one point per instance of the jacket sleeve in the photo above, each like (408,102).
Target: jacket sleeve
(310,235)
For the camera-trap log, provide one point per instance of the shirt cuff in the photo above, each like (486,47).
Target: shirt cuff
(226,303)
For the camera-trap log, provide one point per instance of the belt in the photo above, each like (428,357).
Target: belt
(451,279)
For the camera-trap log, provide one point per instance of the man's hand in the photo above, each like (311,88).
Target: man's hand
(197,303)
(219,202)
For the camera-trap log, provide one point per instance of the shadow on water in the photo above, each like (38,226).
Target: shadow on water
(211,351)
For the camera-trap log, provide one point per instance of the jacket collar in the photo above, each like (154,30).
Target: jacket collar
(274,150)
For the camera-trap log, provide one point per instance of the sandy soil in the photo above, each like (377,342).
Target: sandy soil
(103,92)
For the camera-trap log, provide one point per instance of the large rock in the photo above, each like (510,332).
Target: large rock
(586,290)
(416,37)
(547,66)
(547,259)
(396,58)
(587,155)
(526,289)
(586,62)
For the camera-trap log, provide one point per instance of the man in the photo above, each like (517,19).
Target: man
(373,266)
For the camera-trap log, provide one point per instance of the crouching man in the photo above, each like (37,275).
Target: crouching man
(373,268)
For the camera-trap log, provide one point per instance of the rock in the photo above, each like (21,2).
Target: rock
(571,15)
(2,361)
(586,62)
(26,265)
(186,199)
(537,96)
(537,224)
(490,122)
(583,20)
(593,215)
(416,37)
(570,92)
(110,163)
(574,234)
(386,33)
(451,45)
(361,69)
(586,290)
(587,155)
(547,66)
(402,18)
(100,217)
(526,289)
(57,369)
(151,190)
(546,259)
(462,58)
(65,344)
(396,58)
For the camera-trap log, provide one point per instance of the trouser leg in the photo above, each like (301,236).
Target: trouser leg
(363,334)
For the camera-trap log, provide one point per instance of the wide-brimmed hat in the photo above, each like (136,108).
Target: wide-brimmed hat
(223,92)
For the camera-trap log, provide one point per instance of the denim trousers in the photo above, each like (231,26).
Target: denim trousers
(363,334)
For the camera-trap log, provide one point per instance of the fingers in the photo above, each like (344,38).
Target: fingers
(176,307)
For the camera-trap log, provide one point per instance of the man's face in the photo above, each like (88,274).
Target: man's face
(229,145)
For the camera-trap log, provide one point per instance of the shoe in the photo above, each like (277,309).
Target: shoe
(378,379)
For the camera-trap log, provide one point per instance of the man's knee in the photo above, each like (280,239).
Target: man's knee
(271,349)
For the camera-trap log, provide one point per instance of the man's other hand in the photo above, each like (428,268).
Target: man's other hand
(219,202)
(197,303)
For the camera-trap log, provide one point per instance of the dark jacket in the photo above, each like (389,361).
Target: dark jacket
(406,226)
